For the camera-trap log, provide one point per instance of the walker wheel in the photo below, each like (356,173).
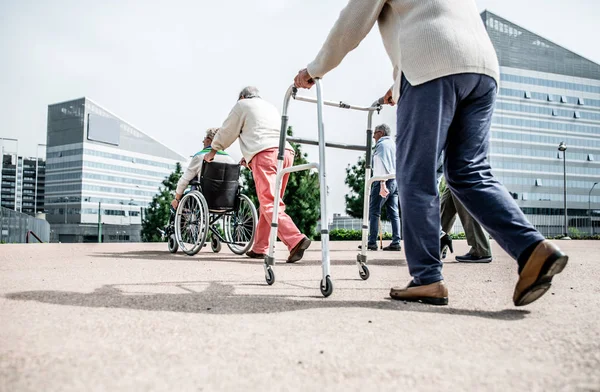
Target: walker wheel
(270,277)
(364,274)
(327,287)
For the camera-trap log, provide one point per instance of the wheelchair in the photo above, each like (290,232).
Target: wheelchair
(213,207)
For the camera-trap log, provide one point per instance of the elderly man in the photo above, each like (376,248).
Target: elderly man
(195,167)
(256,123)
(446,76)
(384,192)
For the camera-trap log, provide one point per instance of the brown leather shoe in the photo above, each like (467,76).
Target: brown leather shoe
(535,279)
(297,253)
(253,255)
(434,293)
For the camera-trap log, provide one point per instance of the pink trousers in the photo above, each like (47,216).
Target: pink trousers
(264,171)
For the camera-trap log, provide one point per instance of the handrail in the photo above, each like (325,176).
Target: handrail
(34,235)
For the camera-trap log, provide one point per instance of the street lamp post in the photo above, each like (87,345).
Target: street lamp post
(563,147)
(37,158)
(590,208)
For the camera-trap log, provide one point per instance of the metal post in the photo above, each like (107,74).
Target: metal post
(590,208)
(99,222)
(563,147)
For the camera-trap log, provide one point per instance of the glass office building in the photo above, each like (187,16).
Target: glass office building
(547,95)
(100,168)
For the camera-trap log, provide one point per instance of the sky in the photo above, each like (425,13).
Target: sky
(175,68)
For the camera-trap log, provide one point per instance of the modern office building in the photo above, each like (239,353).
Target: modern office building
(22,183)
(548,95)
(100,169)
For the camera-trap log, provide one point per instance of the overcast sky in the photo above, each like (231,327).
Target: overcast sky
(174,68)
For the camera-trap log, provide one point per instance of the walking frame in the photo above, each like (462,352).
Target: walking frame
(361,259)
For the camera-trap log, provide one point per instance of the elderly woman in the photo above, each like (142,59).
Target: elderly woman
(195,167)
(256,123)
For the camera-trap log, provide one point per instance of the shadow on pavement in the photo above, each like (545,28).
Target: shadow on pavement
(220,298)
(231,258)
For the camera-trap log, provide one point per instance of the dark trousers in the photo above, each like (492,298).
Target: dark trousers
(376,202)
(451,114)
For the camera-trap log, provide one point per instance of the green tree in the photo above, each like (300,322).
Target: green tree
(355,179)
(301,195)
(156,216)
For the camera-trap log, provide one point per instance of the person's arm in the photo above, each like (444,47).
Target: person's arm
(229,131)
(353,25)
(188,175)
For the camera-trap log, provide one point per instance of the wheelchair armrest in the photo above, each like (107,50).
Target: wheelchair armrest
(194,183)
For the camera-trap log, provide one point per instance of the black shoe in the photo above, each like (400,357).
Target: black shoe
(369,247)
(253,255)
(297,253)
(469,258)
(395,247)
(445,244)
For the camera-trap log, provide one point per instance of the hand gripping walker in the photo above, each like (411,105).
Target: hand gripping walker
(326,284)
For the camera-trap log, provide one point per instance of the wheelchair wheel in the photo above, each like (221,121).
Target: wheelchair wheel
(191,223)
(215,244)
(172,244)
(239,227)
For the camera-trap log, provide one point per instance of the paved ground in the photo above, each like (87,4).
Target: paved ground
(133,317)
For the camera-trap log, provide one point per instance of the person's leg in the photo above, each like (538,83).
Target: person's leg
(392,211)
(375,202)
(424,115)
(477,238)
(468,172)
(264,172)
(447,210)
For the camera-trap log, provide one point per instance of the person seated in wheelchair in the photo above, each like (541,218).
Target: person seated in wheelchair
(195,167)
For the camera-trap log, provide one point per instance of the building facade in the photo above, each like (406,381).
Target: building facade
(22,185)
(548,95)
(101,171)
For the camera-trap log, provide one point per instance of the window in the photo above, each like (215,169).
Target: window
(580,101)
(590,157)
(527,95)
(524,196)
(563,99)
(576,114)
(538,182)
(554,112)
(549,98)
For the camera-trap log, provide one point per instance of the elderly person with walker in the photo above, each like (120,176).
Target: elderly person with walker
(256,123)
(446,77)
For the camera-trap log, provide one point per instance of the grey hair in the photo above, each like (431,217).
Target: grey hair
(249,92)
(384,128)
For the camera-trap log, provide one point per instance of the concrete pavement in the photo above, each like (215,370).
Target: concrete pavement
(134,317)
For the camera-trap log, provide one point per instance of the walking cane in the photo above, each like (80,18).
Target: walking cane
(380,235)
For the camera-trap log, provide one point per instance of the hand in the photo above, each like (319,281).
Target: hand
(303,79)
(388,99)
(174,203)
(383,191)
(210,156)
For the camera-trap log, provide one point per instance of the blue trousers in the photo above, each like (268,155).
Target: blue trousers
(451,114)
(376,202)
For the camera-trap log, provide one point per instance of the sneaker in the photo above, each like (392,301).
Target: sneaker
(392,247)
(469,258)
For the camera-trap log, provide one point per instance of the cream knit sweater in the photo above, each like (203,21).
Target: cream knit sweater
(425,39)
(256,122)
